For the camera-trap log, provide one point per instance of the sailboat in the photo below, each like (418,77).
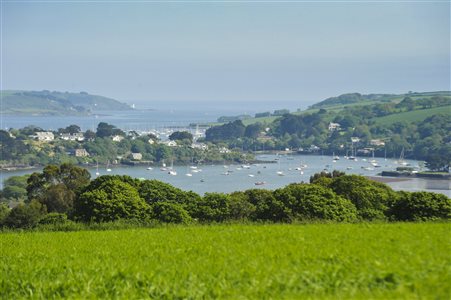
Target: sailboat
(401,160)
(163,166)
(107,166)
(279,172)
(97,169)
(335,157)
(188,174)
(171,169)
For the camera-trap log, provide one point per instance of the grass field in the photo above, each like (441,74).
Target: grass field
(344,261)
(413,116)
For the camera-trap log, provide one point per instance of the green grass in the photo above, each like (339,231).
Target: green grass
(344,261)
(413,116)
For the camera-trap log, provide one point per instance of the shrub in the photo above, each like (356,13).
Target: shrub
(421,206)
(240,207)
(153,191)
(213,207)
(267,207)
(53,218)
(167,212)
(311,202)
(25,215)
(370,198)
(109,201)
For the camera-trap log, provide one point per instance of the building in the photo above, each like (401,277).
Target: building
(45,136)
(334,126)
(224,150)
(377,143)
(200,146)
(81,153)
(169,143)
(137,156)
(73,137)
(117,138)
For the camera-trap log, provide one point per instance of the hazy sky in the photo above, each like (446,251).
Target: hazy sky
(303,51)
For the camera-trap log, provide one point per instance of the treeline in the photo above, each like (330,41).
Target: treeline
(65,195)
(427,140)
(17,147)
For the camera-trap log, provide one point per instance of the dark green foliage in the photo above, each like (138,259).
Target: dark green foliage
(240,207)
(267,207)
(107,130)
(213,207)
(154,191)
(57,186)
(253,130)
(181,135)
(421,206)
(313,202)
(370,198)
(335,173)
(109,201)
(11,148)
(168,212)
(53,219)
(224,132)
(25,215)
(59,198)
(4,212)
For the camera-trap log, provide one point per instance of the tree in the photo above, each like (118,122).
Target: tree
(167,212)
(25,215)
(112,200)
(310,202)
(213,207)
(181,136)
(370,198)
(56,186)
(267,207)
(107,130)
(421,206)
(253,130)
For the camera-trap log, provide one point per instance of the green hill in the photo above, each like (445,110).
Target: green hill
(359,99)
(413,116)
(56,103)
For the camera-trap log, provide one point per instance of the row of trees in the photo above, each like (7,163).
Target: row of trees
(66,192)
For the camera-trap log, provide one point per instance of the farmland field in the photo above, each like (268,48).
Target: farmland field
(413,116)
(383,261)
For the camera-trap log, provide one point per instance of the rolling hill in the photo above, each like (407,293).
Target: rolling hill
(56,103)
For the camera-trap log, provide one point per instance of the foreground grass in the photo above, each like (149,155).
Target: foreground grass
(385,261)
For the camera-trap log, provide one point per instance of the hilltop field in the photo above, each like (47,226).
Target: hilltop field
(325,261)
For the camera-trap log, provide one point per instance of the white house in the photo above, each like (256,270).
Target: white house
(45,136)
(200,146)
(137,156)
(334,126)
(224,150)
(117,138)
(169,143)
(81,153)
(72,137)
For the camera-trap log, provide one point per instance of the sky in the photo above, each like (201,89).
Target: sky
(254,51)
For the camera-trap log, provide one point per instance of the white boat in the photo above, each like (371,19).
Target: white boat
(107,167)
(280,173)
(251,175)
(260,183)
(149,168)
(97,170)
(189,174)
(172,172)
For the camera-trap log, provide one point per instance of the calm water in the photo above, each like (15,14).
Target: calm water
(240,178)
(161,114)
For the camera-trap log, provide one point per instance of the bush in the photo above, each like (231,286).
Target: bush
(371,198)
(313,202)
(153,191)
(53,219)
(240,207)
(167,212)
(421,206)
(213,207)
(25,215)
(109,201)
(267,207)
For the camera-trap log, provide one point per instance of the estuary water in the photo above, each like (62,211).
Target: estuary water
(283,170)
